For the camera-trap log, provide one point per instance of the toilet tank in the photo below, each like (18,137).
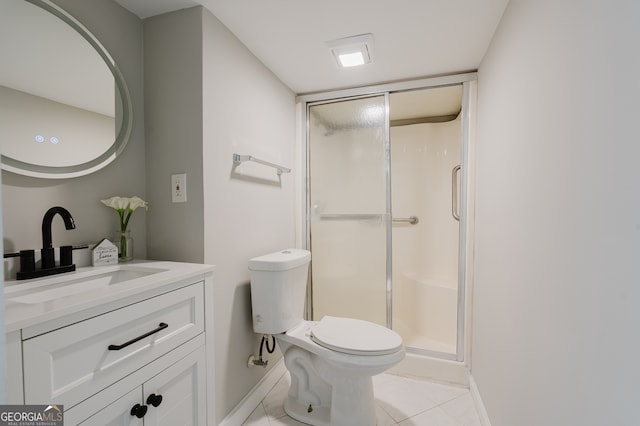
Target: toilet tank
(278,290)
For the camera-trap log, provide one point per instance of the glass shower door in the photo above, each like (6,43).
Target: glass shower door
(404,151)
(349,217)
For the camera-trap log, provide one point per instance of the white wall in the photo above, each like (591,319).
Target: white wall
(248,211)
(207,97)
(25,200)
(557,267)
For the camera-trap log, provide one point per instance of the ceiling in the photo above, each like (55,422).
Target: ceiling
(412,38)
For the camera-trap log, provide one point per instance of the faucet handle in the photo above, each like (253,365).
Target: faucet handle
(27,260)
(66,255)
(47,258)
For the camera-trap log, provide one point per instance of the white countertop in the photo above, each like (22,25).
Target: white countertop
(32,302)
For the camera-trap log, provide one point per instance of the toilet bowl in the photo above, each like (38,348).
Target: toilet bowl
(333,385)
(331,361)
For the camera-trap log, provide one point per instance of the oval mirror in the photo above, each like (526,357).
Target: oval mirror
(65,110)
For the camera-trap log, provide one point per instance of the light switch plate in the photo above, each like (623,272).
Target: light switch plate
(179,188)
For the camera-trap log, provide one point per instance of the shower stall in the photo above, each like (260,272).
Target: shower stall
(387,210)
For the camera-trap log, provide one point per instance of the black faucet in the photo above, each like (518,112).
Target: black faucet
(48,256)
(27,257)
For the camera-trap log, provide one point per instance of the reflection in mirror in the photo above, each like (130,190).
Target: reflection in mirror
(64,107)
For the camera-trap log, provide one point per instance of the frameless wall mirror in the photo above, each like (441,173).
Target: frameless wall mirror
(65,110)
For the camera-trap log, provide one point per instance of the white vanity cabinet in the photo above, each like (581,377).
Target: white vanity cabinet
(175,396)
(144,359)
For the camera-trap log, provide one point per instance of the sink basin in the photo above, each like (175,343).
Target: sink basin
(50,289)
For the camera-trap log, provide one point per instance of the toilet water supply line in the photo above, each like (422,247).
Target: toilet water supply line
(270,349)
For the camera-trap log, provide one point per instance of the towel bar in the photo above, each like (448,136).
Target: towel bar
(237,159)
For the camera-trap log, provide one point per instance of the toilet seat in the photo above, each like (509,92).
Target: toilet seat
(355,337)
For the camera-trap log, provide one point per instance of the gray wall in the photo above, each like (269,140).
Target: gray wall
(3,346)
(25,199)
(173,108)
(557,272)
(207,97)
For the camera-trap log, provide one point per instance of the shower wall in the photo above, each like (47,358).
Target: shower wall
(425,255)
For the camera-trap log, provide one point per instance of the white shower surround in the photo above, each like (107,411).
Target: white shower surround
(425,255)
(432,307)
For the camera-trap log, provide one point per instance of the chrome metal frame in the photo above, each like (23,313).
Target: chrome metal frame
(389,218)
(464,218)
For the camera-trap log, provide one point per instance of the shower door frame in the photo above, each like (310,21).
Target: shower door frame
(464,261)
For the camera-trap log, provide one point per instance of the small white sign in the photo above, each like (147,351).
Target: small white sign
(105,253)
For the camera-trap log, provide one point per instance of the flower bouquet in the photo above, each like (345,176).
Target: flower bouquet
(125,208)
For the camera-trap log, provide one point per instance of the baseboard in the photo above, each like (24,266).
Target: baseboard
(477,400)
(245,407)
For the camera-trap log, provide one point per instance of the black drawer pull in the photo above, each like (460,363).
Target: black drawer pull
(161,326)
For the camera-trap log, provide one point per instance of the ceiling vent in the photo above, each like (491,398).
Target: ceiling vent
(352,51)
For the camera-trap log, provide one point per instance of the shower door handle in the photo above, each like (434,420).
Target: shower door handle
(455,208)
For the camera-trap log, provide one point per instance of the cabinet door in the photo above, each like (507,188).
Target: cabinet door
(183,390)
(15,390)
(118,413)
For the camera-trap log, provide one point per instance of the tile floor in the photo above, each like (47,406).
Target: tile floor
(400,401)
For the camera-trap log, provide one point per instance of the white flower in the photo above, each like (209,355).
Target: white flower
(121,205)
(118,203)
(135,202)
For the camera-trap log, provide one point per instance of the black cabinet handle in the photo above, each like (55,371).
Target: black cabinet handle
(154,399)
(161,326)
(139,410)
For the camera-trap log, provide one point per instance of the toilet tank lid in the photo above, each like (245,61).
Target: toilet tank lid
(280,260)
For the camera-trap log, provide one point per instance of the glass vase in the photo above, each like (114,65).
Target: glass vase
(124,242)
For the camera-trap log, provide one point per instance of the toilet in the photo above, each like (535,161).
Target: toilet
(331,361)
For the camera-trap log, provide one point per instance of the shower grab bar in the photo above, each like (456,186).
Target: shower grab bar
(454,193)
(359,216)
(237,159)
(348,216)
(411,220)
